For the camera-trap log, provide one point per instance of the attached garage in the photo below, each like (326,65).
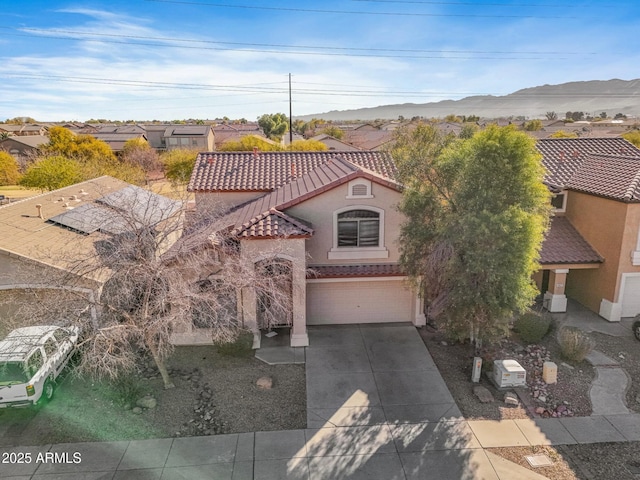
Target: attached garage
(364,300)
(630,297)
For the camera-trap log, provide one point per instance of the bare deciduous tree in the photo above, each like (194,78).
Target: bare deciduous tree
(158,276)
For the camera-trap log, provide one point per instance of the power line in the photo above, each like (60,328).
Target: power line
(349,12)
(447,55)
(281,45)
(358,91)
(481,4)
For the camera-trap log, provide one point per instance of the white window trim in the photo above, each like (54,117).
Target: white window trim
(564,193)
(359,181)
(358,253)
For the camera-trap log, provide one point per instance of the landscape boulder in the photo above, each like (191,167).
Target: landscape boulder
(147,402)
(483,394)
(265,383)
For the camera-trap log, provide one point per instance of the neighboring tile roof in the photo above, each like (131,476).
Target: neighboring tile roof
(244,171)
(564,245)
(347,271)
(610,176)
(273,224)
(563,156)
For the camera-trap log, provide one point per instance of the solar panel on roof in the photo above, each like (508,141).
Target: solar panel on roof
(145,207)
(86,218)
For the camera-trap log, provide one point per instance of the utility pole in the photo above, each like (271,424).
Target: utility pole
(290,118)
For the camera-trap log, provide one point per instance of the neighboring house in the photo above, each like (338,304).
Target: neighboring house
(235,132)
(592,252)
(367,137)
(199,137)
(50,232)
(155,135)
(333,144)
(23,130)
(330,212)
(116,141)
(23,148)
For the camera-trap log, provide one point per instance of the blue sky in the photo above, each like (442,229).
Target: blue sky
(166,60)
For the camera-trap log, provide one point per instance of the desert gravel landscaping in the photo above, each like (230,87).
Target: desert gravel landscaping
(214,393)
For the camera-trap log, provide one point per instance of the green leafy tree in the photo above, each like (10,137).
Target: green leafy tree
(178,164)
(620,116)
(51,173)
(274,125)
(533,125)
(468,130)
(633,137)
(94,156)
(477,211)
(334,131)
(248,143)
(9,169)
(563,134)
(307,146)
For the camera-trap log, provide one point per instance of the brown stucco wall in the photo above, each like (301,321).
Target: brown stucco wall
(601,222)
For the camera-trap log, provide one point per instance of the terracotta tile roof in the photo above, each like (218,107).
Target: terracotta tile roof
(610,176)
(273,224)
(563,244)
(350,271)
(244,171)
(563,156)
(327,176)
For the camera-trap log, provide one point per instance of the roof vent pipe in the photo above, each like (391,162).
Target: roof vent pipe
(255,152)
(39,208)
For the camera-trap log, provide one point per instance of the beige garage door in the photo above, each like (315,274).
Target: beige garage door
(631,297)
(358,302)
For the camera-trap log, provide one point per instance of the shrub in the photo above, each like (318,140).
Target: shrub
(127,389)
(532,327)
(240,347)
(575,345)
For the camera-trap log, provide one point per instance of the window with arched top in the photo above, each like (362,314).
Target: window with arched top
(358,233)
(359,228)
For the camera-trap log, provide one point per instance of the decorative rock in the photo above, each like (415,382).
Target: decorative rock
(265,383)
(136,410)
(147,402)
(539,410)
(511,398)
(542,398)
(483,394)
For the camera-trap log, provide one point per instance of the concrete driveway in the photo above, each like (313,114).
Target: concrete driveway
(373,374)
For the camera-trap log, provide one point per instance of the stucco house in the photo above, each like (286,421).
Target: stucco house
(332,214)
(43,237)
(592,252)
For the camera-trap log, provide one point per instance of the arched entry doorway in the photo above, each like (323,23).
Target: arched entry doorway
(274,293)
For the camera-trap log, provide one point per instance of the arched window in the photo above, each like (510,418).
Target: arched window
(359,228)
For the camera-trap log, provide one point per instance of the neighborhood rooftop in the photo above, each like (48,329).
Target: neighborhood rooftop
(265,171)
(563,156)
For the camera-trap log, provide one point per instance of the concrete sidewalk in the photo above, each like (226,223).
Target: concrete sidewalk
(447,449)
(378,409)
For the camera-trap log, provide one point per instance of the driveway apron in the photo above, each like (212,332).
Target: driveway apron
(373,374)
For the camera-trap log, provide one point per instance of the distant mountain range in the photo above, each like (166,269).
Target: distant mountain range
(592,97)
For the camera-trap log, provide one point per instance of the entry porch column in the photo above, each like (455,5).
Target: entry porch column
(555,299)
